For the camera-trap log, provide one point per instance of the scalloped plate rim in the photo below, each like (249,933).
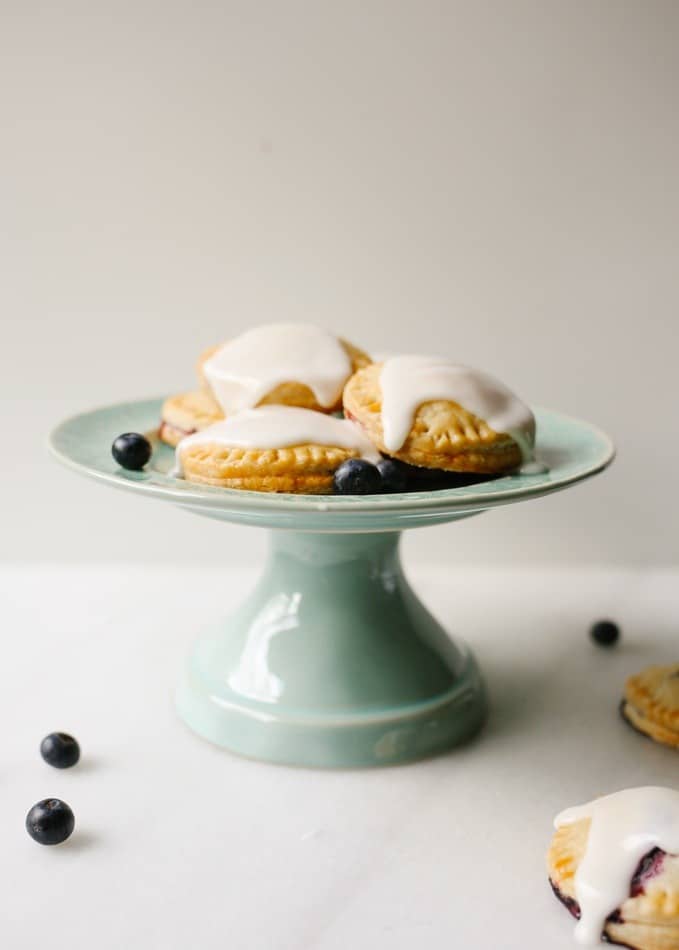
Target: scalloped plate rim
(212,497)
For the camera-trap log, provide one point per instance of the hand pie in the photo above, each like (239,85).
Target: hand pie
(273,449)
(651,703)
(646,915)
(406,408)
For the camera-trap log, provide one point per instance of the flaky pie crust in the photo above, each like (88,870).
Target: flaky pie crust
(444,435)
(649,921)
(299,469)
(651,703)
(291,393)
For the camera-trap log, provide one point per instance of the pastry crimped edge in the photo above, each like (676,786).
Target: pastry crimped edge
(185,413)
(649,728)
(443,434)
(651,703)
(298,469)
(291,393)
(649,921)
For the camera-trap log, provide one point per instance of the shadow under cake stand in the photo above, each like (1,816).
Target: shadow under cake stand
(332,660)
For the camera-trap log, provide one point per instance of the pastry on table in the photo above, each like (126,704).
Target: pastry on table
(651,703)
(273,449)
(614,864)
(291,364)
(186,413)
(430,412)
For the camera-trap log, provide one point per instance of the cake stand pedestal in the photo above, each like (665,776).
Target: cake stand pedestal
(332,660)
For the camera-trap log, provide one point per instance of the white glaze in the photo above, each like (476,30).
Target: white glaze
(277,427)
(625,826)
(248,367)
(409,381)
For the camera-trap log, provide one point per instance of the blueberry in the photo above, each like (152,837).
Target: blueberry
(357,477)
(50,821)
(60,750)
(605,633)
(394,475)
(131,450)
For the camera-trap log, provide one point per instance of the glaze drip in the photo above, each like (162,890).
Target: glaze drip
(277,427)
(625,827)
(409,381)
(244,370)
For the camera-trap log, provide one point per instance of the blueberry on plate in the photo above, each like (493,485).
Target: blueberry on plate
(357,477)
(50,821)
(394,475)
(60,750)
(605,633)
(131,450)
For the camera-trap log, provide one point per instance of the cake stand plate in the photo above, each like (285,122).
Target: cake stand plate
(332,660)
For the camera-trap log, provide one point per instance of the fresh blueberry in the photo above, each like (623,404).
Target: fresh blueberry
(357,477)
(605,633)
(394,475)
(131,450)
(60,750)
(50,821)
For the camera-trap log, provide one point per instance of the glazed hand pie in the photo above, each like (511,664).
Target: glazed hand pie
(614,864)
(429,412)
(185,414)
(291,364)
(273,449)
(651,703)
(441,424)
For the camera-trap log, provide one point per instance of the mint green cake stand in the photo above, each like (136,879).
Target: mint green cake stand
(332,660)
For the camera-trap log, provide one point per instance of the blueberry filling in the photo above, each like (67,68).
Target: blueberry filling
(569,903)
(649,867)
(573,909)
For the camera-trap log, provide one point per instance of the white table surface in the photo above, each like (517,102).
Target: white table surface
(179,845)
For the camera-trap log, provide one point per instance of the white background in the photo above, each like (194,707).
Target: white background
(493,180)
(181,846)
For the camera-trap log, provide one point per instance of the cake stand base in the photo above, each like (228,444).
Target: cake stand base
(332,661)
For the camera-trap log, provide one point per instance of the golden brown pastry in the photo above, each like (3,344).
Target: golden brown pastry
(651,703)
(273,449)
(291,393)
(443,434)
(185,413)
(649,918)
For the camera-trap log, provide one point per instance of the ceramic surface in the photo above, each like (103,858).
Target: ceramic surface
(332,661)
(573,450)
